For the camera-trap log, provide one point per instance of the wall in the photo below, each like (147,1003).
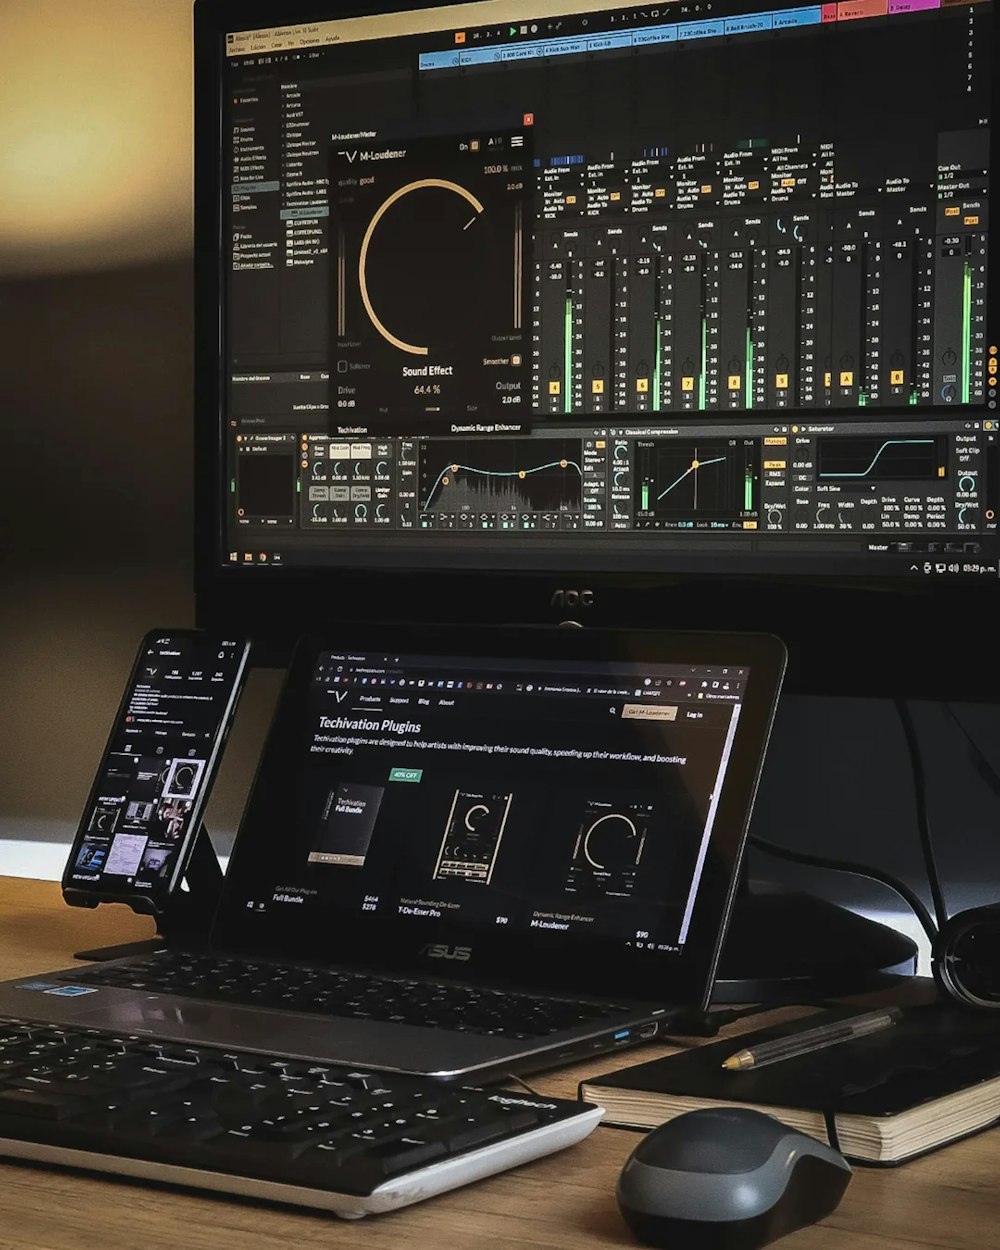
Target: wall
(95,393)
(96,488)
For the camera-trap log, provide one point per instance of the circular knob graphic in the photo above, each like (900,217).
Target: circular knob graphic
(184,777)
(443,220)
(612,842)
(472,836)
(474,815)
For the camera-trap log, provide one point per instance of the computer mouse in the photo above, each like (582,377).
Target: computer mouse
(727,1178)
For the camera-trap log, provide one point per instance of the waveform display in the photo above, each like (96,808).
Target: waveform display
(877,459)
(704,478)
(503,475)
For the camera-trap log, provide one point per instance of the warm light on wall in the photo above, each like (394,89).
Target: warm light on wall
(95,133)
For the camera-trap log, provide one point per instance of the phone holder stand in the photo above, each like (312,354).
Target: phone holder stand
(187,914)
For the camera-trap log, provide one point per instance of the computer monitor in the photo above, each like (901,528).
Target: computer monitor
(673,312)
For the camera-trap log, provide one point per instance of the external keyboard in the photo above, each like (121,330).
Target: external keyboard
(459,1008)
(351,1142)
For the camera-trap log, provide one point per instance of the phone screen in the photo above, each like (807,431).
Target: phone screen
(146,803)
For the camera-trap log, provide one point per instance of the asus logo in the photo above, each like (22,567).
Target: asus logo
(572,599)
(435,950)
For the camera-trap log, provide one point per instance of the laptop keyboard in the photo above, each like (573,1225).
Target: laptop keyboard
(363,996)
(119,1103)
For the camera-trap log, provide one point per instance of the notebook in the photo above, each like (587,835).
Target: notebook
(931,1078)
(468,853)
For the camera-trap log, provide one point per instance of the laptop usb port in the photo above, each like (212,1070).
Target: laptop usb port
(622,1034)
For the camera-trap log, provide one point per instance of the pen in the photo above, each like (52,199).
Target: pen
(812,1039)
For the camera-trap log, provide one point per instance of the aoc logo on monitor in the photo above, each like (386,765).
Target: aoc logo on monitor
(572,599)
(436,950)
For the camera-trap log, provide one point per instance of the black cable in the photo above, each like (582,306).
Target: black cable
(914,901)
(523,1084)
(695,1023)
(920,799)
(981,762)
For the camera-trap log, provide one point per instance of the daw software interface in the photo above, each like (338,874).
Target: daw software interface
(625,286)
(558,798)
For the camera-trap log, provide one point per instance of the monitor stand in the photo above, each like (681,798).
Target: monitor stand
(189,912)
(787,947)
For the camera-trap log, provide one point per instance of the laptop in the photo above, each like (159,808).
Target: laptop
(466,854)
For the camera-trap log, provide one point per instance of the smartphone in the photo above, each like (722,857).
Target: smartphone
(144,809)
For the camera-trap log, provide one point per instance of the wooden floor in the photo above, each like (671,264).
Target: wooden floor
(950,1199)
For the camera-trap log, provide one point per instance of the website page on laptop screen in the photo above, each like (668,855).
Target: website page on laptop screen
(550,799)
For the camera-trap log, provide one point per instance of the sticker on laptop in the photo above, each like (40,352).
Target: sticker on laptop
(71,991)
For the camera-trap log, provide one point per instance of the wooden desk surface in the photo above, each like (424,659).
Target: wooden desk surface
(947,1201)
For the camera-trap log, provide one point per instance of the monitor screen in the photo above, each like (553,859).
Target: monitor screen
(691,289)
(559,799)
(594,821)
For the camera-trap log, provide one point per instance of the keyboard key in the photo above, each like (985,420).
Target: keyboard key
(406,1153)
(40,1104)
(473,1133)
(191,1129)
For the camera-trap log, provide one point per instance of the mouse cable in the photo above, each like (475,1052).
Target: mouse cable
(923,821)
(910,897)
(523,1084)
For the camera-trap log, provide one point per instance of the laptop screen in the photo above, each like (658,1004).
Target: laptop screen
(564,802)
